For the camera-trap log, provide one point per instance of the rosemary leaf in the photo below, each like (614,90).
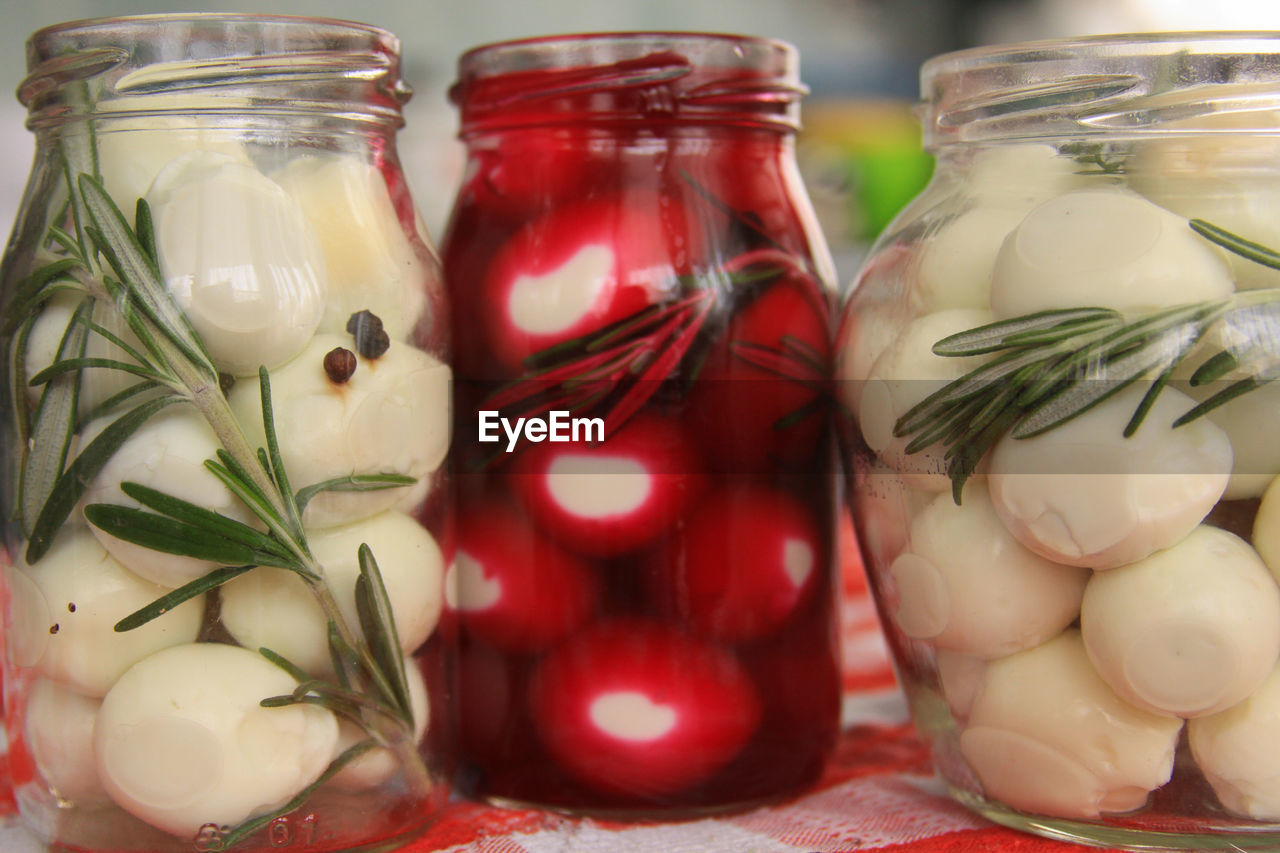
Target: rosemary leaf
(275,462)
(346,663)
(377,620)
(992,337)
(65,241)
(172,599)
(185,511)
(1226,395)
(1214,368)
(284,663)
(353,483)
(52,427)
(145,229)
(115,340)
(249,827)
(801,413)
(181,538)
(17,376)
(116,241)
(1083,394)
(1255,252)
(113,402)
(981,379)
(34,291)
(233,476)
(74,365)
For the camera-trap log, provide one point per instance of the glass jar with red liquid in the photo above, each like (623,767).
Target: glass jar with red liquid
(645,550)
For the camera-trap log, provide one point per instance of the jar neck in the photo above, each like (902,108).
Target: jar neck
(213,66)
(1104,89)
(616,80)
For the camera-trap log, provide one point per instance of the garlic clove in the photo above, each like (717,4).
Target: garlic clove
(182,741)
(392,416)
(86,592)
(240,258)
(370,261)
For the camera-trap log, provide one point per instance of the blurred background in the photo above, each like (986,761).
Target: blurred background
(859,150)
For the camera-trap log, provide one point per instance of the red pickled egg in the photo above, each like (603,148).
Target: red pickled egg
(582,267)
(758,397)
(513,588)
(609,498)
(640,709)
(744,562)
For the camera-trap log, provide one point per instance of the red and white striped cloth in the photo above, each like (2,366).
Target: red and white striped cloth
(878,793)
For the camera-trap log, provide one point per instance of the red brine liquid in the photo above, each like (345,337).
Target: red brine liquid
(644,613)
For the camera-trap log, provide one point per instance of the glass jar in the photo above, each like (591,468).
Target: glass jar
(645,563)
(225,411)
(1056,364)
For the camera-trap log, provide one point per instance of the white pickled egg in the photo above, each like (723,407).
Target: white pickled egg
(132,151)
(956,262)
(96,383)
(884,506)
(960,678)
(379,764)
(864,336)
(167,453)
(1108,248)
(371,262)
(59,733)
(1255,452)
(27,618)
(1238,751)
(181,740)
(1266,528)
(1046,735)
(1021,175)
(392,416)
(86,592)
(1190,630)
(1084,495)
(904,375)
(989,598)
(273,608)
(240,258)
(1227,179)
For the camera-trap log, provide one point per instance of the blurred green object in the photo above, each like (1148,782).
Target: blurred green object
(863,163)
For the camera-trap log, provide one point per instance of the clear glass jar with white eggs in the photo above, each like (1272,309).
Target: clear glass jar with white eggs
(1060,430)
(226,405)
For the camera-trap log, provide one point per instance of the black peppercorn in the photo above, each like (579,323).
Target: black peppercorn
(371,338)
(339,364)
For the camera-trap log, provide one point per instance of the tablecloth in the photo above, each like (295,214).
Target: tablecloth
(878,792)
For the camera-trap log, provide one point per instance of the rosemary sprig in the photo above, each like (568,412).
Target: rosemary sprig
(1052,366)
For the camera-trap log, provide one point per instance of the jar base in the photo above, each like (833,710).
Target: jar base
(639,813)
(1227,837)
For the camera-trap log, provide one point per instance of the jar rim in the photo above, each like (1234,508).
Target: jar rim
(159,18)
(1114,86)
(635,40)
(642,78)
(221,63)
